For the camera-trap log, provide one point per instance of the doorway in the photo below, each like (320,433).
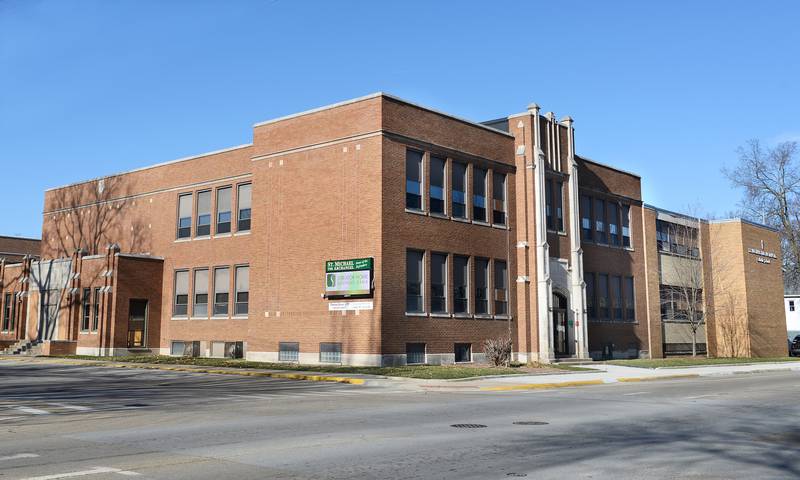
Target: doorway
(137,323)
(560,333)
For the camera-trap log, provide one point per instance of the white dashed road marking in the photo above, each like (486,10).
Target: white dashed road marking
(70,407)
(32,411)
(19,455)
(83,473)
(635,393)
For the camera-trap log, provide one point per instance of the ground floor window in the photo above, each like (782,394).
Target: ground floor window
(183,348)
(289,352)
(463,352)
(415,353)
(330,353)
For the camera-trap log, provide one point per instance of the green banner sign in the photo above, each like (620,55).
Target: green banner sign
(348,265)
(348,278)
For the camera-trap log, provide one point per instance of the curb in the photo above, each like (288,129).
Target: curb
(662,377)
(537,386)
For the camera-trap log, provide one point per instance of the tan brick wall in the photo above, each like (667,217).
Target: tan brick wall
(14,249)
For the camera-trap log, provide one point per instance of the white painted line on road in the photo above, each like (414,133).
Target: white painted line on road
(19,455)
(83,473)
(635,393)
(71,407)
(702,396)
(32,411)
(3,419)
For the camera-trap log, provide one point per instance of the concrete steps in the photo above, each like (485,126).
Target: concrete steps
(24,347)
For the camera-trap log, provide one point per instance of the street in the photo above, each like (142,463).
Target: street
(59,421)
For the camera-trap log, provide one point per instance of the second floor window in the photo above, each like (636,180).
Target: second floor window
(221,290)
(586,217)
(200,304)
(414,272)
(479,194)
(96,312)
(500,288)
(460,284)
(86,309)
(616,297)
(437,185)
(600,221)
(242,290)
(244,200)
(613,227)
(185,215)
(181,302)
(413,180)
(203,213)
(439,283)
(481,286)
(498,198)
(224,210)
(459,190)
(603,298)
(626,225)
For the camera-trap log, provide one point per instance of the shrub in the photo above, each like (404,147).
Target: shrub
(498,351)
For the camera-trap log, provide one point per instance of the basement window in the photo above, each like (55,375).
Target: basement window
(330,353)
(415,353)
(289,352)
(463,352)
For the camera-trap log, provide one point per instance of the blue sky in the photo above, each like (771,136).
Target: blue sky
(665,89)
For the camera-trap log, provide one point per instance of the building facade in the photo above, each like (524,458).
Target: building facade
(380,232)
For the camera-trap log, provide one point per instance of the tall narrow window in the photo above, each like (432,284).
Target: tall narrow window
(413,180)
(626,225)
(616,296)
(204,213)
(96,312)
(86,309)
(500,288)
(224,210)
(437,184)
(459,190)
(630,309)
(414,281)
(548,203)
(558,191)
(600,220)
(591,311)
(244,201)
(7,313)
(460,284)
(181,302)
(222,279)
(439,283)
(242,290)
(613,226)
(185,215)
(479,194)
(586,217)
(602,297)
(200,303)
(481,286)
(498,198)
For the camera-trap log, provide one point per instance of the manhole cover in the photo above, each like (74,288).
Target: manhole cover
(137,405)
(468,425)
(528,422)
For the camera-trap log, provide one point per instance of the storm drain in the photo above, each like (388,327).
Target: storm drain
(530,422)
(515,474)
(468,425)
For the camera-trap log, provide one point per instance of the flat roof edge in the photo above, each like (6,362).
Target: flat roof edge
(626,172)
(162,164)
(744,220)
(11,237)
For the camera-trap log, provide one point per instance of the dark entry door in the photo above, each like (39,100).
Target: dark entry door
(560,334)
(137,323)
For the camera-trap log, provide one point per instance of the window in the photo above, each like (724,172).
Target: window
(413,180)
(479,194)
(616,295)
(554,204)
(330,353)
(224,210)
(500,288)
(200,304)
(460,284)
(674,305)
(242,290)
(415,353)
(222,279)
(439,283)
(463,352)
(586,217)
(548,203)
(626,225)
(414,281)
(8,314)
(459,190)
(791,304)
(437,184)
(96,312)
(600,220)
(498,198)
(86,309)
(481,286)
(602,297)
(613,226)
(203,213)
(679,239)
(244,201)
(181,305)
(591,311)
(558,201)
(630,308)
(185,349)
(289,352)
(185,215)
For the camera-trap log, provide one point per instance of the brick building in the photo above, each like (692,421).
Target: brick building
(15,249)
(376,231)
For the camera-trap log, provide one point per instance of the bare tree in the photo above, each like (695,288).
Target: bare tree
(682,297)
(770,178)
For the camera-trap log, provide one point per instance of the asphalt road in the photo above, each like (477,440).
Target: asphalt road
(92,423)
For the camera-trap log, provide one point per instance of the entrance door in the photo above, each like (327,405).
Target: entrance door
(137,323)
(560,334)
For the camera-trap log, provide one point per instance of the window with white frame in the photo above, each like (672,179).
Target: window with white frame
(203,228)
(224,210)
(222,278)
(242,290)
(184,215)
(180,307)
(438,283)
(200,300)
(414,275)
(244,207)
(413,179)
